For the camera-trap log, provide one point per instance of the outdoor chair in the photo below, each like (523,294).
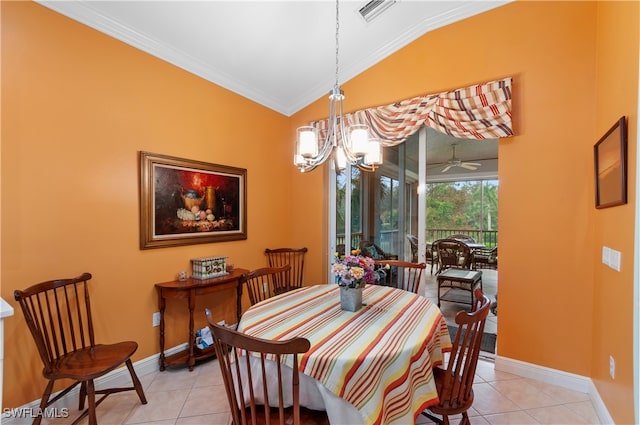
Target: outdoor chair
(462,237)
(247,377)
(413,244)
(266,282)
(370,249)
(292,256)
(485,258)
(455,383)
(58,314)
(452,253)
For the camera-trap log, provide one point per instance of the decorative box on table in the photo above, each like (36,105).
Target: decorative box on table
(206,268)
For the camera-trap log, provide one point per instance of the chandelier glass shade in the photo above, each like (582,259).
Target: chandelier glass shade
(345,143)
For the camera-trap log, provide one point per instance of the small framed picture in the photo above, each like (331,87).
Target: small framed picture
(610,154)
(185,202)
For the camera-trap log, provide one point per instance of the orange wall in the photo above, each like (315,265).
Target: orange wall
(89,103)
(557,305)
(617,84)
(77,106)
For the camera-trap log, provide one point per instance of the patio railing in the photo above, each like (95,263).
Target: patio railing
(389,238)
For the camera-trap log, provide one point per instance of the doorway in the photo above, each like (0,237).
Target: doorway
(400,207)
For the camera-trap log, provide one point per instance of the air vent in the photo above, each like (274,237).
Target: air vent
(374,8)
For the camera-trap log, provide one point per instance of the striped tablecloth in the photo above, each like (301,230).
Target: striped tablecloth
(379,358)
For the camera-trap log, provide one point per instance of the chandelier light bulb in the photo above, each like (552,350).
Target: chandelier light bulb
(359,140)
(307,142)
(374,154)
(341,159)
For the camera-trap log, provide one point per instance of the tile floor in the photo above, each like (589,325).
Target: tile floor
(180,397)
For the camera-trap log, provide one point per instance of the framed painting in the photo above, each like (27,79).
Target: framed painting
(610,153)
(184,202)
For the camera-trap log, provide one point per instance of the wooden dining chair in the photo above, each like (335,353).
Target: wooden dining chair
(292,256)
(58,314)
(401,274)
(266,282)
(455,384)
(256,392)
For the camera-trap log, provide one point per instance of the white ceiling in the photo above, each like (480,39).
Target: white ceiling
(280,54)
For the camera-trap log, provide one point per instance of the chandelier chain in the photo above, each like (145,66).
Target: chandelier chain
(337,40)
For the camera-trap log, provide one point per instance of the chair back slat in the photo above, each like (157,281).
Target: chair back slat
(244,361)
(293,257)
(266,282)
(58,314)
(401,274)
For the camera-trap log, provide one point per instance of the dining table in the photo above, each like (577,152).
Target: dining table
(371,366)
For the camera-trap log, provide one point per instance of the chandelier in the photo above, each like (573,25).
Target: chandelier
(346,144)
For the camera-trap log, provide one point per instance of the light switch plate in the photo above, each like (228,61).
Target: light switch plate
(606,254)
(614,260)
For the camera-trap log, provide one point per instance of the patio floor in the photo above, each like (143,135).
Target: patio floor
(449,309)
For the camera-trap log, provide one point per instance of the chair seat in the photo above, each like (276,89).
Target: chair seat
(90,363)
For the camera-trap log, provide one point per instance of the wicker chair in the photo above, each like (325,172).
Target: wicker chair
(370,249)
(485,258)
(452,253)
(462,237)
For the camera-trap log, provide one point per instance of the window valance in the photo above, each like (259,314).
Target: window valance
(478,112)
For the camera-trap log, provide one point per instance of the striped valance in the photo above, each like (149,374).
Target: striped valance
(479,112)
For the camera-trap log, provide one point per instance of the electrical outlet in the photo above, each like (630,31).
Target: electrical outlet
(155,319)
(612,367)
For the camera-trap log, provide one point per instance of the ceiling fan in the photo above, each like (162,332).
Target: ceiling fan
(455,162)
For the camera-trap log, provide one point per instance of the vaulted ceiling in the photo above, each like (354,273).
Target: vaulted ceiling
(281,54)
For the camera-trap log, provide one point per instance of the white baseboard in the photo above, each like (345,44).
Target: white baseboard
(559,378)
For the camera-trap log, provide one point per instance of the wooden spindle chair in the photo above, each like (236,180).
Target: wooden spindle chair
(401,274)
(292,256)
(455,384)
(247,375)
(266,282)
(58,314)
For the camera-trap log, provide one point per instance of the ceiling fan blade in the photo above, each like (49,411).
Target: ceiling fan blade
(447,168)
(468,166)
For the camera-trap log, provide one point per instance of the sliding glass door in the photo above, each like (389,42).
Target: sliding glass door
(410,198)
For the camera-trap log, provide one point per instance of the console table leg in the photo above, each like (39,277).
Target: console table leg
(192,335)
(161,307)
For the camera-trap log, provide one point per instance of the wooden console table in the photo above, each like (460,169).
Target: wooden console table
(190,289)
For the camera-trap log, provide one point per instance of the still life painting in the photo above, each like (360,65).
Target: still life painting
(187,201)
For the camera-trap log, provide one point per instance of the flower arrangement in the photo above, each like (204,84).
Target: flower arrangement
(354,271)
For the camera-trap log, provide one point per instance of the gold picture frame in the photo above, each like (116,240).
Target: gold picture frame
(610,154)
(184,202)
